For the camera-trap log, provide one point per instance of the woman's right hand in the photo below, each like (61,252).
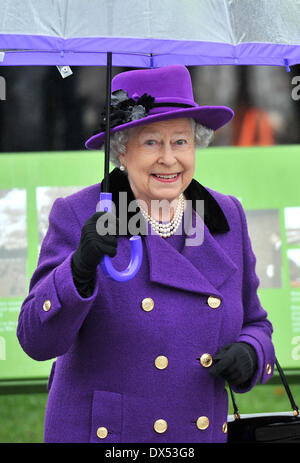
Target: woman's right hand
(93,245)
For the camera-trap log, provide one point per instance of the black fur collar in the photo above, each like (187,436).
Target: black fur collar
(214,217)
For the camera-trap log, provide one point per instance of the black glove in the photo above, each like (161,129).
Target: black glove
(91,250)
(236,363)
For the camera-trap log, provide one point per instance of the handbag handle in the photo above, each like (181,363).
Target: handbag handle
(295,409)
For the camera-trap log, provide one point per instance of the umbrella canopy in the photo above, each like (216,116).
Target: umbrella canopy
(151,33)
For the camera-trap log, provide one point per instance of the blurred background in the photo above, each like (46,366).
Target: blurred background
(49,113)
(44,112)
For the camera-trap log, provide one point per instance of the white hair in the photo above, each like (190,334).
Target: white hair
(119,140)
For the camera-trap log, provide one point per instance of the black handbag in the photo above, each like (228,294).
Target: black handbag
(266,427)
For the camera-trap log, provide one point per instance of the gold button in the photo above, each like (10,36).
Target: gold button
(160,426)
(202,423)
(269,369)
(214,302)
(225,428)
(47,305)
(147,304)
(161,362)
(206,360)
(102,432)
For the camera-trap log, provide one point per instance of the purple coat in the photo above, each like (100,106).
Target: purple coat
(130,361)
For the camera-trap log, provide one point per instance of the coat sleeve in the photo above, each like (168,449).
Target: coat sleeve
(257,329)
(53,312)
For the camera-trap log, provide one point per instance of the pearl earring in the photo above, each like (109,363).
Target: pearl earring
(122,167)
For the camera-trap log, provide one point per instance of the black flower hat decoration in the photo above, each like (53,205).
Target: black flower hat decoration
(124,109)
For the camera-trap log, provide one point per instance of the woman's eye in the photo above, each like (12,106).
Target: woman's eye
(150,142)
(182,141)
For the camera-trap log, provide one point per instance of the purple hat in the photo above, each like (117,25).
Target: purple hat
(151,95)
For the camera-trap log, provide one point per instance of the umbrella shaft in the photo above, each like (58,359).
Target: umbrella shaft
(107,130)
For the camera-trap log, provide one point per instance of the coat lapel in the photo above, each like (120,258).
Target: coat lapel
(201,269)
(209,258)
(170,268)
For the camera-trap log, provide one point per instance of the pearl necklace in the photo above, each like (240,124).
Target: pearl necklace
(166,229)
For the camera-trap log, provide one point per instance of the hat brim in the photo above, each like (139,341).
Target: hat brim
(212,117)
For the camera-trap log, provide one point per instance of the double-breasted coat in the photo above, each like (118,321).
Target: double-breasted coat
(133,359)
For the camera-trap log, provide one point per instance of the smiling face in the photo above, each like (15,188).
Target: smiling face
(160,159)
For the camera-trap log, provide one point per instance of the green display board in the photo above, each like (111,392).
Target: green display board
(265,179)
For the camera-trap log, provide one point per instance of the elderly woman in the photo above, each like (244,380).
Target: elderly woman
(147,360)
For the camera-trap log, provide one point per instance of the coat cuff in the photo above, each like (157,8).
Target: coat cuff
(57,295)
(265,360)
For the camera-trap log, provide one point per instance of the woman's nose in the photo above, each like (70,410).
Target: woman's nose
(167,155)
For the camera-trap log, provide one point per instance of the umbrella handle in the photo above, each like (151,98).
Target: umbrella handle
(136,248)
